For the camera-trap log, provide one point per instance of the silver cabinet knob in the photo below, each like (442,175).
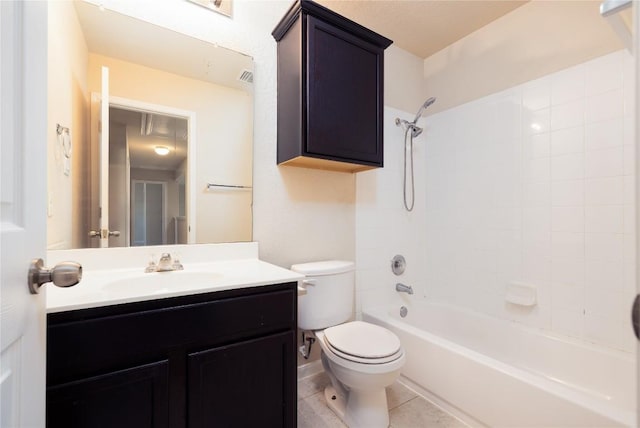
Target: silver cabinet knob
(65,274)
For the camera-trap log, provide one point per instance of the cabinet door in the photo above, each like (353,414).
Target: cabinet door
(135,398)
(247,384)
(344,117)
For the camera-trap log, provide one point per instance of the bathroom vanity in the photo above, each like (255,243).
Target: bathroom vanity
(218,355)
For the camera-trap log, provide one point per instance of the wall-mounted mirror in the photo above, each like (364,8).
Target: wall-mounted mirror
(123,90)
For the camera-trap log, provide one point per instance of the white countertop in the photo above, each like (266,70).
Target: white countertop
(102,286)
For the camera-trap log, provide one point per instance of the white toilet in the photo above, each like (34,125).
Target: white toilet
(361,359)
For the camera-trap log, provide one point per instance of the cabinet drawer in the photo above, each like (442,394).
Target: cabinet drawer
(82,348)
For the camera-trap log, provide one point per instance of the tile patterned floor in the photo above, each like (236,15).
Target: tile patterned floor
(406,409)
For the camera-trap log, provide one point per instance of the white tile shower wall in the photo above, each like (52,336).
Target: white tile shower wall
(383,227)
(532,184)
(544,173)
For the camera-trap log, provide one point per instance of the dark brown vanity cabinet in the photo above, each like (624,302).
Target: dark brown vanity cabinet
(330,90)
(224,359)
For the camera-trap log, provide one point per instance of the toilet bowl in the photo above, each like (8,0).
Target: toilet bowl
(361,359)
(357,393)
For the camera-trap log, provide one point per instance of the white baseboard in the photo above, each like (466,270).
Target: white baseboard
(309,369)
(444,405)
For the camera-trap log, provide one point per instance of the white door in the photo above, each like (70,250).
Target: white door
(23,134)
(104,159)
(636,48)
(99,211)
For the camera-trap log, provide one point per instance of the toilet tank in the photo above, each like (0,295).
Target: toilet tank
(330,289)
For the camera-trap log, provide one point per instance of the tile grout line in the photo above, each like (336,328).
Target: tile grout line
(404,402)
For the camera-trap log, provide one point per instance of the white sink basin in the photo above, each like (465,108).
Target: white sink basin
(161,282)
(120,278)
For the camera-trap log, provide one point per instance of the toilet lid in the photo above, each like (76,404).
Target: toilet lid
(355,359)
(362,339)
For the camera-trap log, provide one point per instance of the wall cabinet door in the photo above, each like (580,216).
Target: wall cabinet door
(330,90)
(130,398)
(246,384)
(344,84)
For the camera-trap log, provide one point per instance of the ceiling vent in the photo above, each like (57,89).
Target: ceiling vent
(246,76)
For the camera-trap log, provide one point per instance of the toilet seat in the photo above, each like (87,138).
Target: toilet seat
(363,342)
(368,366)
(348,357)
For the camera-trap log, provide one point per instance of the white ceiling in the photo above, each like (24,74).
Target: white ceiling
(157,47)
(423,27)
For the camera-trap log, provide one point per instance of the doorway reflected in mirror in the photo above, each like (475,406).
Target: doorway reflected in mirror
(147,170)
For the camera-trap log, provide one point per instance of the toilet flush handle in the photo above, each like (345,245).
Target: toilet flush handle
(308,282)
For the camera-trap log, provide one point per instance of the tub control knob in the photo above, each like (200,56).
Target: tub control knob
(398,264)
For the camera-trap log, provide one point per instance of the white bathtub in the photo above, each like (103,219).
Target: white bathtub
(502,374)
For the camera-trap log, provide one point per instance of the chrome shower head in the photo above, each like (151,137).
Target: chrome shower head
(415,130)
(423,107)
(411,126)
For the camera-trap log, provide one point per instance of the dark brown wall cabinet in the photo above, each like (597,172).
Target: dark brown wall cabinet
(223,359)
(330,90)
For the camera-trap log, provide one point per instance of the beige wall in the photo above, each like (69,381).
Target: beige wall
(223,131)
(67,221)
(404,84)
(308,215)
(299,214)
(536,39)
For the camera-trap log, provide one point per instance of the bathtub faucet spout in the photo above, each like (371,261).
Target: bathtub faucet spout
(401,288)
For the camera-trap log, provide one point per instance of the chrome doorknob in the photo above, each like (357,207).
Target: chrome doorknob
(103,233)
(65,274)
(635,316)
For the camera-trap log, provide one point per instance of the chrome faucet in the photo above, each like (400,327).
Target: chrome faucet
(401,288)
(165,264)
